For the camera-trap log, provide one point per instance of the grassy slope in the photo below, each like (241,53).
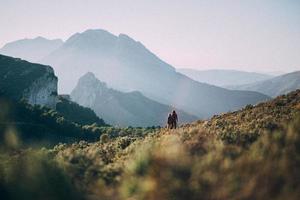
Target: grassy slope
(249,154)
(246,154)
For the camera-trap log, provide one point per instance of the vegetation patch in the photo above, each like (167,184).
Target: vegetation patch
(248,154)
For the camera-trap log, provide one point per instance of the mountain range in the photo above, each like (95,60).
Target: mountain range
(127,65)
(274,86)
(224,78)
(120,108)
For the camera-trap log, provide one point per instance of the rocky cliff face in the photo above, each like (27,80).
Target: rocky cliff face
(43,91)
(35,83)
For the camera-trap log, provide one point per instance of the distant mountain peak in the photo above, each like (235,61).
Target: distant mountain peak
(125,37)
(89,75)
(101,36)
(128,41)
(40,38)
(36,39)
(97,31)
(91,38)
(89,79)
(45,39)
(33,49)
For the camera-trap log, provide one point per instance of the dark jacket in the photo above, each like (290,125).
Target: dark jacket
(174,116)
(170,119)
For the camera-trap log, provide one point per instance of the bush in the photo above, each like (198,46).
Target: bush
(33,175)
(104,138)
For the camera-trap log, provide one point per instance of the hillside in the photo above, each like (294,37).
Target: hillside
(126,65)
(38,126)
(32,50)
(223,78)
(220,154)
(76,113)
(238,155)
(120,108)
(274,86)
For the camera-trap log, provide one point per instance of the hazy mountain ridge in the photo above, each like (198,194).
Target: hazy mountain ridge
(126,65)
(112,58)
(119,108)
(224,78)
(274,86)
(32,50)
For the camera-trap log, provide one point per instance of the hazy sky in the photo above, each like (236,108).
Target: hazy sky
(252,35)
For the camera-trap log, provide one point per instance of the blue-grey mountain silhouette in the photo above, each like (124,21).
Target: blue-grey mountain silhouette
(275,86)
(127,65)
(224,78)
(32,50)
(122,108)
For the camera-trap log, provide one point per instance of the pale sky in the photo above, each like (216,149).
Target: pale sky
(252,35)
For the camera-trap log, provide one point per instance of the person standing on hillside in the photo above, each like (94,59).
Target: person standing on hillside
(175,119)
(170,121)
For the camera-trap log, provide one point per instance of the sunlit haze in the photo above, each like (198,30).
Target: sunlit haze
(251,35)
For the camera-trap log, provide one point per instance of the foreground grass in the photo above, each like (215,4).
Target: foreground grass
(249,154)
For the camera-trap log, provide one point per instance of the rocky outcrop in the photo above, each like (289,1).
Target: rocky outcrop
(43,91)
(35,83)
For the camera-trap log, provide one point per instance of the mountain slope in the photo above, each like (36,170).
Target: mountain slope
(258,143)
(223,78)
(127,65)
(36,125)
(35,83)
(275,86)
(119,108)
(76,113)
(31,49)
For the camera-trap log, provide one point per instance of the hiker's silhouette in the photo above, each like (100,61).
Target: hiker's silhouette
(175,119)
(172,120)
